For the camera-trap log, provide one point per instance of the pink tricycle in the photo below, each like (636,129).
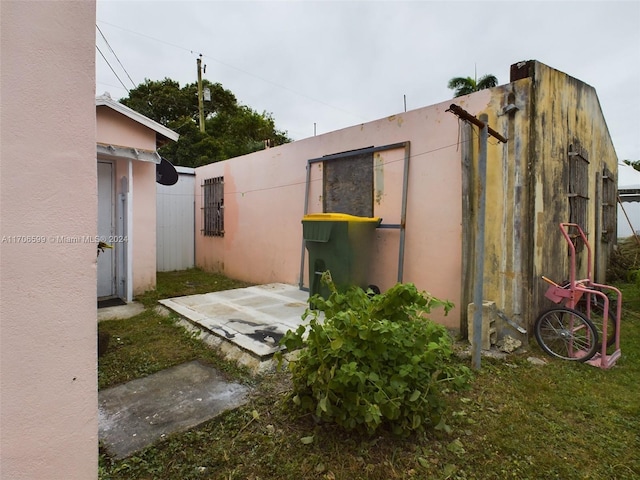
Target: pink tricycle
(587,325)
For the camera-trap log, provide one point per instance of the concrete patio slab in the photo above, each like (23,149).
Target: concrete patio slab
(245,324)
(136,414)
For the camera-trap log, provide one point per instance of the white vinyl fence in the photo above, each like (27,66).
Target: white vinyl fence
(175,223)
(629,194)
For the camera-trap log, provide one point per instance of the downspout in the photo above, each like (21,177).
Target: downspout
(121,249)
(518,289)
(129,234)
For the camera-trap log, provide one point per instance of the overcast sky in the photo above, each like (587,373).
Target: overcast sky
(338,64)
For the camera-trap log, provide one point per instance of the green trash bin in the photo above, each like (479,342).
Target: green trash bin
(342,244)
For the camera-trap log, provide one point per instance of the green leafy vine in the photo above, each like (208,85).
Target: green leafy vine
(368,361)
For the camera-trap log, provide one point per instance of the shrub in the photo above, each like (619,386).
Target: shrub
(625,261)
(374,360)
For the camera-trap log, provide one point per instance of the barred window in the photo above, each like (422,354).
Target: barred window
(578,189)
(213,209)
(609,206)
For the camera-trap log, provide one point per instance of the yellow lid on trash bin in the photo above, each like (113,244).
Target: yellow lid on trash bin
(338,217)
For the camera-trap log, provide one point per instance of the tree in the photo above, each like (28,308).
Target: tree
(634,164)
(231,129)
(162,101)
(467,85)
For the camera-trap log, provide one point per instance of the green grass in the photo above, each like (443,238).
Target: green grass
(187,282)
(518,421)
(150,342)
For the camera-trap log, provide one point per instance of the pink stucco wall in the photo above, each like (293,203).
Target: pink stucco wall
(144,227)
(265,196)
(116,129)
(48,395)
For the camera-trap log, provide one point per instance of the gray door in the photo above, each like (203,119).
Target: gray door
(106,259)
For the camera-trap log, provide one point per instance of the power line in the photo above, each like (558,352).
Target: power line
(119,87)
(114,54)
(190,50)
(412,156)
(114,72)
(147,36)
(284,87)
(401,158)
(302,182)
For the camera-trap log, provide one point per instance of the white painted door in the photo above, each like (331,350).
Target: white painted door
(106,259)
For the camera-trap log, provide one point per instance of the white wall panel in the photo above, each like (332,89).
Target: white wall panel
(175,226)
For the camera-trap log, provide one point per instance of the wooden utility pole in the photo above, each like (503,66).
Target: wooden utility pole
(200,99)
(478,284)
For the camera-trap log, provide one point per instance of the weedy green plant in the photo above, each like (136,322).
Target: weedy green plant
(374,360)
(504,426)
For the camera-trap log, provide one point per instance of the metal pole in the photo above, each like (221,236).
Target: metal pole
(306,210)
(403,212)
(200,101)
(476,347)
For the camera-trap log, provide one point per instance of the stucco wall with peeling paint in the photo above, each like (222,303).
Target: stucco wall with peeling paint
(527,189)
(265,200)
(568,116)
(541,112)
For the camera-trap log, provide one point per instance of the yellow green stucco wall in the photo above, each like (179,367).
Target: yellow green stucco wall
(567,116)
(527,189)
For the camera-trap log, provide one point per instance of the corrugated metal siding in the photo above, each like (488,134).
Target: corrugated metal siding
(175,224)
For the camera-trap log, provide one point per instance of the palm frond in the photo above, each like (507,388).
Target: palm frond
(467,85)
(487,81)
(462,85)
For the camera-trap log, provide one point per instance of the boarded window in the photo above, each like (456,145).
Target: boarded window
(348,185)
(578,189)
(609,212)
(213,209)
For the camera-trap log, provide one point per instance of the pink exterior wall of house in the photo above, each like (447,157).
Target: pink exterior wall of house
(265,197)
(48,395)
(116,129)
(144,227)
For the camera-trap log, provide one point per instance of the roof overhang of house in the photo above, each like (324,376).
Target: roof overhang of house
(629,195)
(114,151)
(163,134)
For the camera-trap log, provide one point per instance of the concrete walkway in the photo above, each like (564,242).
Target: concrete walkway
(121,311)
(136,414)
(245,324)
